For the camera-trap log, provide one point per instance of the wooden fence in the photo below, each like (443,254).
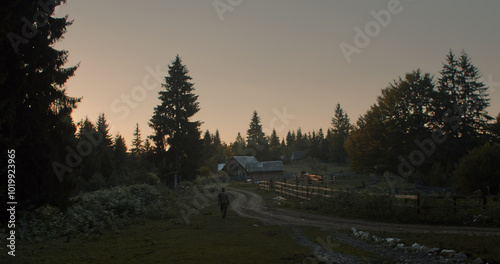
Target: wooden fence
(308,192)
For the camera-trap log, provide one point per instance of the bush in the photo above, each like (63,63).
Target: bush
(480,170)
(95,212)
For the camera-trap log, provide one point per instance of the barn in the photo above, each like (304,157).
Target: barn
(265,171)
(236,167)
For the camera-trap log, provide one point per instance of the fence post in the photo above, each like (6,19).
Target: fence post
(418,202)
(454,204)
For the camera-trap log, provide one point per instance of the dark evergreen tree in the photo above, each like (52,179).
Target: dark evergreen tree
(35,111)
(237,148)
(257,144)
(314,150)
(119,148)
(104,150)
(341,126)
(290,139)
(90,163)
(220,147)
(324,145)
(495,130)
(103,128)
(147,147)
(208,156)
(137,147)
(461,106)
(274,146)
(300,141)
(216,139)
(172,123)
(85,128)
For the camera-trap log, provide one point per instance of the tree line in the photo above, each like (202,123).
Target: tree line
(431,131)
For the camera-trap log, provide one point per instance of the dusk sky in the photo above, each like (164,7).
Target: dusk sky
(283,59)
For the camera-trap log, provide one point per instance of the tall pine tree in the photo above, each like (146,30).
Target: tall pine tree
(341,126)
(274,146)
(137,147)
(256,139)
(172,123)
(104,149)
(35,111)
(460,110)
(463,99)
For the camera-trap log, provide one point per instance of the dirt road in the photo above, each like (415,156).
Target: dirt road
(252,205)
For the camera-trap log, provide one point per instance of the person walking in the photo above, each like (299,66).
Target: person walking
(223,202)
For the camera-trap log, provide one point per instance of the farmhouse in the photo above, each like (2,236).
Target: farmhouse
(265,171)
(236,167)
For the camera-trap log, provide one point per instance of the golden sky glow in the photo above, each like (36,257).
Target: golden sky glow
(283,58)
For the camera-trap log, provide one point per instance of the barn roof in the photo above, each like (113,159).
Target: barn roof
(266,166)
(245,160)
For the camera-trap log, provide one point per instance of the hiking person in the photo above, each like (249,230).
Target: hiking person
(223,202)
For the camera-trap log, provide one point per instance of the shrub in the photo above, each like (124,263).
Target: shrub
(95,212)
(480,170)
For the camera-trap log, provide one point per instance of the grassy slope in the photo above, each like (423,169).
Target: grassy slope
(207,239)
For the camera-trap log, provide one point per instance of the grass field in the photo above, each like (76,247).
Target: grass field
(207,239)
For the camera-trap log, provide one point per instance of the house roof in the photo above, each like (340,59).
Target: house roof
(245,160)
(266,166)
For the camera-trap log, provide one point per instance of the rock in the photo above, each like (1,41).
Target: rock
(433,251)
(416,246)
(478,261)
(364,235)
(376,239)
(424,249)
(400,246)
(354,231)
(392,241)
(447,253)
(460,257)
